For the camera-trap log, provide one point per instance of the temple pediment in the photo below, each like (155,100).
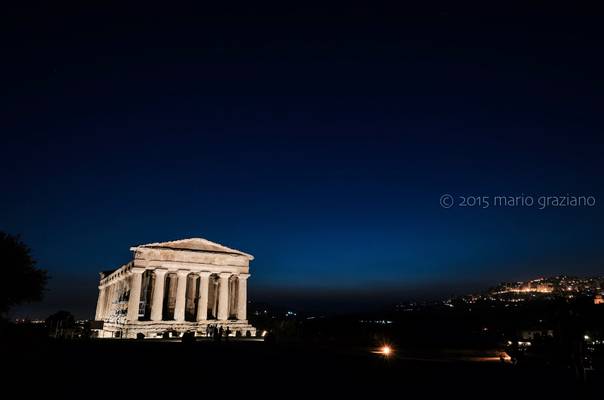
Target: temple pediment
(193,244)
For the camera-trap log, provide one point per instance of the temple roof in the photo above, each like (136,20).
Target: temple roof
(194,244)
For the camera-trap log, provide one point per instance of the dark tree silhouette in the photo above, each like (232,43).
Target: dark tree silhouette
(21,281)
(60,323)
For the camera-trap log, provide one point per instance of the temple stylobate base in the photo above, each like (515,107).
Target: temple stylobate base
(158,329)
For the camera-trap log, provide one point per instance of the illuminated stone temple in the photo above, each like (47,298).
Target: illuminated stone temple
(176,287)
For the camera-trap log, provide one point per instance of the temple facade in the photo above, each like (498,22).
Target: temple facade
(176,287)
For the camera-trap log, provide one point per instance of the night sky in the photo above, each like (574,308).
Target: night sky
(320,140)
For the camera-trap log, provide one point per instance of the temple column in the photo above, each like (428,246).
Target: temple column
(108,301)
(223,299)
(242,296)
(158,295)
(202,303)
(136,280)
(111,298)
(99,304)
(181,296)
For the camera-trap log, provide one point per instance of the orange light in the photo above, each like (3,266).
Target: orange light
(384,350)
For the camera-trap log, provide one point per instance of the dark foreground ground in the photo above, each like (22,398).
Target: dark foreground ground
(131,369)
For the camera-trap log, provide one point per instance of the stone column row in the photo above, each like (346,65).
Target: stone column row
(179,308)
(107,295)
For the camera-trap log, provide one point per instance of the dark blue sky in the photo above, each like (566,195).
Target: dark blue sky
(319,140)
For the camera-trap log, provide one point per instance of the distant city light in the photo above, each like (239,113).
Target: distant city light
(386,350)
(379,321)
